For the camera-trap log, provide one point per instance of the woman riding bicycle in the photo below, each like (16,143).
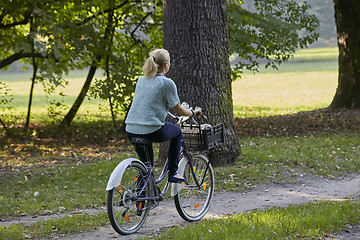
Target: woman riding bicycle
(154,95)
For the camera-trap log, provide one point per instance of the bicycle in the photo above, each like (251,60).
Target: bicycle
(133,190)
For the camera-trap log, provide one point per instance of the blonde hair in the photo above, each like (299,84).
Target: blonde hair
(155,62)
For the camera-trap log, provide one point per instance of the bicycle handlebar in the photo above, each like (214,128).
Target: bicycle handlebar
(181,119)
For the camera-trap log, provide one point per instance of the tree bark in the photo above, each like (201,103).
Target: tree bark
(195,33)
(35,68)
(347,18)
(33,80)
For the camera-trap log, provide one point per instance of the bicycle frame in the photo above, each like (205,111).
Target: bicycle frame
(150,178)
(153,183)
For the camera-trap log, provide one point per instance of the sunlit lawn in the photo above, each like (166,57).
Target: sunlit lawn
(272,93)
(298,85)
(20,83)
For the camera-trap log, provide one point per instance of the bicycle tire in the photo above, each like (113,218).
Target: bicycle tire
(192,203)
(124,212)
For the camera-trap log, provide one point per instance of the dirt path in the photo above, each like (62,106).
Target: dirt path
(306,189)
(165,216)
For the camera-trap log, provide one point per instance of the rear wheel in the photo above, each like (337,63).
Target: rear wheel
(192,201)
(126,214)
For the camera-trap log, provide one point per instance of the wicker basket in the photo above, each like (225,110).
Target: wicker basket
(203,137)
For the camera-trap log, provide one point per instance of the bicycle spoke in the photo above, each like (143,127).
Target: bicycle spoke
(125,214)
(193,200)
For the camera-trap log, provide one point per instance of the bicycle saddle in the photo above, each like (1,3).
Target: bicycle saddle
(137,140)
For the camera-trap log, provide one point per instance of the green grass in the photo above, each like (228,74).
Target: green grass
(308,221)
(50,228)
(37,190)
(309,60)
(316,54)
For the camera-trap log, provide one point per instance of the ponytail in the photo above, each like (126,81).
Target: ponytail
(150,67)
(155,62)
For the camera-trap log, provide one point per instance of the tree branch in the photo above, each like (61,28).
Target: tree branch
(137,41)
(26,20)
(16,56)
(137,27)
(100,13)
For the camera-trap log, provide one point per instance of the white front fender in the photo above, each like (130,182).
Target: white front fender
(118,172)
(176,187)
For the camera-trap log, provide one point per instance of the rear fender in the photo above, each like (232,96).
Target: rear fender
(118,172)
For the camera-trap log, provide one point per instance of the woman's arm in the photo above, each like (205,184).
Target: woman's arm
(180,110)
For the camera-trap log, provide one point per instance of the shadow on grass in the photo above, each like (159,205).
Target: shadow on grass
(43,144)
(303,123)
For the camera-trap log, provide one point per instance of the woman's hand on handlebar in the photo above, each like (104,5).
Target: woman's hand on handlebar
(183,111)
(197,111)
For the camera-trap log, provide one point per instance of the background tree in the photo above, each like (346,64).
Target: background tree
(103,36)
(79,35)
(195,33)
(30,32)
(268,32)
(116,47)
(131,40)
(347,18)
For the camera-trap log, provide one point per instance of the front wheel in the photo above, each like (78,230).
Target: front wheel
(126,214)
(193,201)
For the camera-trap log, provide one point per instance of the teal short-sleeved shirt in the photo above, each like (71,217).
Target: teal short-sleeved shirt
(152,100)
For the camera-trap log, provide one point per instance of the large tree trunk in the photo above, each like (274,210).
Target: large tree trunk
(195,33)
(347,18)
